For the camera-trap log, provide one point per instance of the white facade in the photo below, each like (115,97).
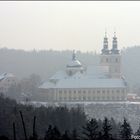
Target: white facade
(95,83)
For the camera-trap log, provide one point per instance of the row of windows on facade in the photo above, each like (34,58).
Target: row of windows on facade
(110,60)
(67,98)
(93,91)
(90,97)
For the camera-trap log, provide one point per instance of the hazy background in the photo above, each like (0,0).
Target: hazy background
(70,25)
(51,30)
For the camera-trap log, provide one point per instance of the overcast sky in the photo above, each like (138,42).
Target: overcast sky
(70,25)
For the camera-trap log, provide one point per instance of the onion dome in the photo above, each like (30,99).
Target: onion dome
(74,63)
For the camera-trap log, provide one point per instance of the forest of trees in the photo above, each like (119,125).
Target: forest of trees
(25,122)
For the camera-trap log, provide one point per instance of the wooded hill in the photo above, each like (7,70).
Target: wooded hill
(46,63)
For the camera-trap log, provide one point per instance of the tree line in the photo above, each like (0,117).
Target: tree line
(24,122)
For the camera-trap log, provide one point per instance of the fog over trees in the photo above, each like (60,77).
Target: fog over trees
(46,63)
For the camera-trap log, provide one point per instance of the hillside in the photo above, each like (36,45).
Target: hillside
(46,63)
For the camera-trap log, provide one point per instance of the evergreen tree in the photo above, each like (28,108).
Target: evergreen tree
(49,133)
(74,135)
(106,129)
(100,137)
(91,130)
(138,131)
(115,129)
(100,123)
(56,133)
(126,130)
(65,136)
(52,133)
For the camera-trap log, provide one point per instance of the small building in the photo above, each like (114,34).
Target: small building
(6,81)
(93,83)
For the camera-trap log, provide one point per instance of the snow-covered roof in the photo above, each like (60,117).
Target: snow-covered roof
(85,83)
(5,75)
(93,77)
(74,63)
(59,75)
(97,72)
(91,72)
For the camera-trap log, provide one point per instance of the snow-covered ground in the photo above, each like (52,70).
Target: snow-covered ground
(117,110)
(37,104)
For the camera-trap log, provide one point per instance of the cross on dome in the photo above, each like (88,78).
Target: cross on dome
(74,62)
(105,33)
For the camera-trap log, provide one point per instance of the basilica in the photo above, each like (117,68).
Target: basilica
(89,84)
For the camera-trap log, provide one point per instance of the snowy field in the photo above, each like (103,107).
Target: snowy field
(38,104)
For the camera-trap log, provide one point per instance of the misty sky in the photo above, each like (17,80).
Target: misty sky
(70,25)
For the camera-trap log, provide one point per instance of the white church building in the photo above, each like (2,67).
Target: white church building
(93,83)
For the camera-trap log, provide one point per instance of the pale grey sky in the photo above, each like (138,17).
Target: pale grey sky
(78,25)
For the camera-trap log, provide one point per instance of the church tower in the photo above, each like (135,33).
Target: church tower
(111,58)
(104,61)
(114,49)
(105,45)
(115,59)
